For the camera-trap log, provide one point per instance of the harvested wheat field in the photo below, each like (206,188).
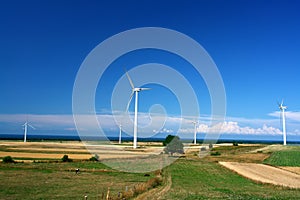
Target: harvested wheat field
(265,173)
(75,150)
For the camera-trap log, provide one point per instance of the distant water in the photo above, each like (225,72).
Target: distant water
(37,137)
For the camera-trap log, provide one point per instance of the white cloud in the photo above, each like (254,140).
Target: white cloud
(295,116)
(233,128)
(149,125)
(164,130)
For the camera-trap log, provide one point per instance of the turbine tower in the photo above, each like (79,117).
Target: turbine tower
(120,134)
(135,90)
(195,131)
(25,130)
(282,109)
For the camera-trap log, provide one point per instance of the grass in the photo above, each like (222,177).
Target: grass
(199,179)
(49,180)
(191,177)
(284,158)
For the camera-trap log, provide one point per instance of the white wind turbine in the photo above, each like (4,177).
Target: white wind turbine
(25,130)
(195,131)
(120,134)
(135,90)
(282,109)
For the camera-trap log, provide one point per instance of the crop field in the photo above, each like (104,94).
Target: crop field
(208,180)
(189,177)
(284,158)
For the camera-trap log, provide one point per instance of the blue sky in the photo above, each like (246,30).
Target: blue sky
(255,45)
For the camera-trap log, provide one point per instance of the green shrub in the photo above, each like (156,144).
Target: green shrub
(175,146)
(94,158)
(235,144)
(216,153)
(168,139)
(66,158)
(8,159)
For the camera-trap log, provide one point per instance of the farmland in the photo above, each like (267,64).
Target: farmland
(189,177)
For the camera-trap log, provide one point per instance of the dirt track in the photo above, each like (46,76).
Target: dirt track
(157,193)
(265,173)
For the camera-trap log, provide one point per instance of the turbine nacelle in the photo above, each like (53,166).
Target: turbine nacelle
(281,106)
(140,89)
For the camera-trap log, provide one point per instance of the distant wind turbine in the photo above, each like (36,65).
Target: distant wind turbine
(195,131)
(120,134)
(282,109)
(135,90)
(25,130)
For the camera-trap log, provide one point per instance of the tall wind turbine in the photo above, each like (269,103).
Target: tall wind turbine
(120,134)
(282,109)
(195,131)
(135,90)
(25,130)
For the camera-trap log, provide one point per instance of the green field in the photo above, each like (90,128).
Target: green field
(284,158)
(191,177)
(50,180)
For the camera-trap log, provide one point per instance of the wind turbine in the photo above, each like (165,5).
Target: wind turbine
(135,90)
(195,131)
(120,134)
(282,109)
(25,130)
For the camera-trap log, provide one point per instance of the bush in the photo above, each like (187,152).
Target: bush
(175,146)
(210,146)
(235,144)
(94,158)
(168,139)
(8,159)
(216,153)
(66,158)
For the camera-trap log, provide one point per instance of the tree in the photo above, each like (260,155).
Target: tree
(95,158)
(168,139)
(174,146)
(8,159)
(66,158)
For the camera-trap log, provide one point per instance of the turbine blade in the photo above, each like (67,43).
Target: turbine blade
(145,89)
(129,79)
(31,126)
(129,101)
(281,102)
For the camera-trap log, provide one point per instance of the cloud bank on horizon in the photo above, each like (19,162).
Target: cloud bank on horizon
(176,125)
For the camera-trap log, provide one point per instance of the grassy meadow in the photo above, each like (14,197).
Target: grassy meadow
(190,177)
(51,180)
(193,179)
(289,158)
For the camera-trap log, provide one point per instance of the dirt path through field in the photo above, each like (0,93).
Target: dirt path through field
(157,193)
(265,173)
